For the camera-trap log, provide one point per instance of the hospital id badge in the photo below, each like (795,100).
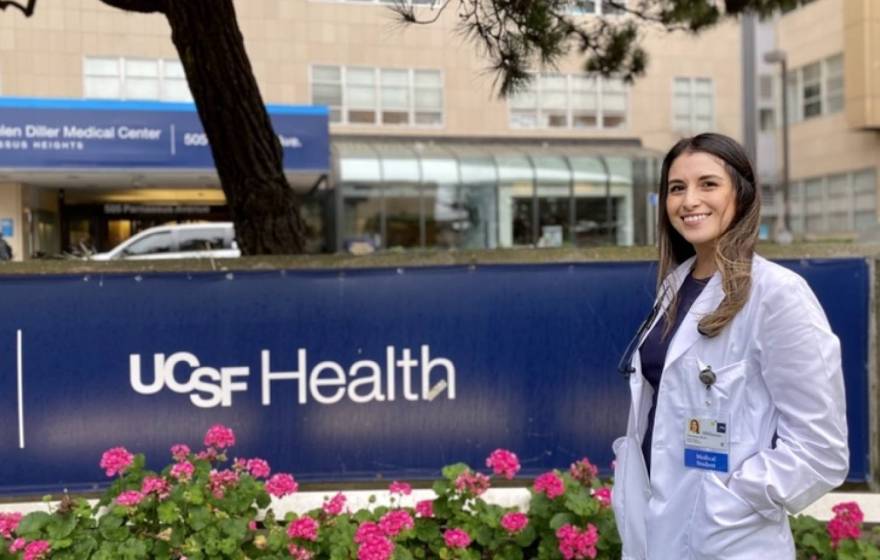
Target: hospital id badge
(706,444)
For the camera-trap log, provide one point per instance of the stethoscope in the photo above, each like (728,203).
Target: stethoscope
(624,367)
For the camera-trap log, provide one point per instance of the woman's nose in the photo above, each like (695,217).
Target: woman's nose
(691,198)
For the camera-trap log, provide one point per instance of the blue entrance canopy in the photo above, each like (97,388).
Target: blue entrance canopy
(52,134)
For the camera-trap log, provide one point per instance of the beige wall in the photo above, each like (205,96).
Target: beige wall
(829,143)
(42,56)
(862,53)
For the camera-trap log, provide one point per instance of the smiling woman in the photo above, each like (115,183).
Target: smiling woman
(740,375)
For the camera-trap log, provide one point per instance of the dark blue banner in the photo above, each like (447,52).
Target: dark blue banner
(344,375)
(76,134)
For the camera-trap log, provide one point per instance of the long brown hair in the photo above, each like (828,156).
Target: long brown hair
(733,249)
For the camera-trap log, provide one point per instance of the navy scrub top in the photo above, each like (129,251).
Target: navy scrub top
(653,351)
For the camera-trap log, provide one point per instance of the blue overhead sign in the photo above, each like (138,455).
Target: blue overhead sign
(345,375)
(76,134)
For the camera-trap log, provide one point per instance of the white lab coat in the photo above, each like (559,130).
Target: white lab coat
(778,371)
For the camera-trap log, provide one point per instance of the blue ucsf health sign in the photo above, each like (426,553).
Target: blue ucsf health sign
(344,375)
(76,134)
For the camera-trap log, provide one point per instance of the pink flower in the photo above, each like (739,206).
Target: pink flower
(335,505)
(514,522)
(379,548)
(258,468)
(130,498)
(456,538)
(299,553)
(575,544)
(373,544)
(116,461)
(303,528)
(281,485)
(180,452)
(221,480)
(583,471)
(366,531)
(395,522)
(401,488)
(219,436)
(425,508)
(9,523)
(17,544)
(209,454)
(156,485)
(36,550)
(551,484)
(471,482)
(846,524)
(603,495)
(252,525)
(183,471)
(503,463)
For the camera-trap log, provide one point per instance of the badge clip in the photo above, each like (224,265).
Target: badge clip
(707,377)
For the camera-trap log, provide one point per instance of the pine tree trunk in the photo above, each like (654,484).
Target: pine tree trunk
(246,150)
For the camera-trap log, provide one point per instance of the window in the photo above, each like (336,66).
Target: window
(598,7)
(102,78)
(765,87)
(327,89)
(816,89)
(387,96)
(693,104)
(150,245)
(834,84)
(174,86)
(134,78)
(204,239)
(865,193)
(767,119)
(360,95)
(569,101)
(811,90)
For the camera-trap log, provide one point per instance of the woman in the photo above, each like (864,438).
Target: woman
(741,345)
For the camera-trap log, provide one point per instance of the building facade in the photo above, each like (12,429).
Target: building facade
(831,48)
(423,153)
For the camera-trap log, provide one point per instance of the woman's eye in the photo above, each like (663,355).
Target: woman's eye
(710,184)
(676,188)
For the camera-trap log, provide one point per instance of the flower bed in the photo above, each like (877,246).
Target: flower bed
(207,505)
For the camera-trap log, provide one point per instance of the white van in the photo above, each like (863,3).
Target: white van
(214,240)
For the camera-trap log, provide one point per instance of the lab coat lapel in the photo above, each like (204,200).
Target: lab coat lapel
(687,334)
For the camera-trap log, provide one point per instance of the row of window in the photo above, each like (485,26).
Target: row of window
(134,78)
(389,96)
(570,101)
(840,203)
(411,97)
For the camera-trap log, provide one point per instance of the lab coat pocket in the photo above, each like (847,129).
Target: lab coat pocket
(726,526)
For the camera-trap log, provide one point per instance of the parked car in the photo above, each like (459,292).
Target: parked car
(185,241)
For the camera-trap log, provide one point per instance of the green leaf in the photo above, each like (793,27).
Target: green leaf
(60,526)
(561,519)
(169,513)
(32,523)
(111,527)
(199,518)
(451,472)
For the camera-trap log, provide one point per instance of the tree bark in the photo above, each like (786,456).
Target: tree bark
(246,150)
